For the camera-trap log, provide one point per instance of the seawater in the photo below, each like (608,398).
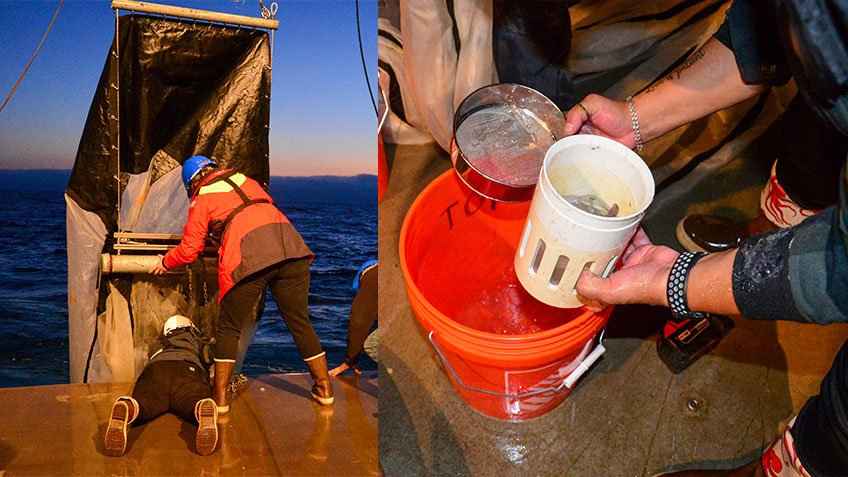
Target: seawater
(469,277)
(34,291)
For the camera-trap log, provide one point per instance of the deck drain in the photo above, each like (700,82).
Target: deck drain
(693,405)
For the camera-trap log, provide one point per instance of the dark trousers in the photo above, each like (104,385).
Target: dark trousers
(530,46)
(821,428)
(173,386)
(363,314)
(810,156)
(289,284)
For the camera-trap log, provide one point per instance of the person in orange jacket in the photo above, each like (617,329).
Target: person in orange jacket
(258,248)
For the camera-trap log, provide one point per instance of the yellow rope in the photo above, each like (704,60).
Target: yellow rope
(33,56)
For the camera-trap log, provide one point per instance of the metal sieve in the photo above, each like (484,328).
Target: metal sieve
(501,133)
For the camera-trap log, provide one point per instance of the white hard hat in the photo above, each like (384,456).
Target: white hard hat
(175,322)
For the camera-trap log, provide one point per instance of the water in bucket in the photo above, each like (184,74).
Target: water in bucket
(481,289)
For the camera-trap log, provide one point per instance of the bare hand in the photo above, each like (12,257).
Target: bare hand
(605,117)
(159,268)
(642,278)
(342,368)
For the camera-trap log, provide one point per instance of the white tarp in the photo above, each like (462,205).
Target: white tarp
(86,236)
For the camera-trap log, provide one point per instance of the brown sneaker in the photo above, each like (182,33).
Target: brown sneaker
(206,412)
(709,233)
(116,432)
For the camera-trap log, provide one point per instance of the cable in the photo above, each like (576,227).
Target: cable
(39,47)
(364,68)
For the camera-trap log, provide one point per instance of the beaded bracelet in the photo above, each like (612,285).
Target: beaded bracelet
(635,123)
(676,288)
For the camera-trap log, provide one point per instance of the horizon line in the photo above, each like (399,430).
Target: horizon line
(271,175)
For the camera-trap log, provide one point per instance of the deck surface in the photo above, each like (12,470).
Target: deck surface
(273,428)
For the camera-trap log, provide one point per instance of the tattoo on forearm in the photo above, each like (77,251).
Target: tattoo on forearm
(676,75)
(691,61)
(657,84)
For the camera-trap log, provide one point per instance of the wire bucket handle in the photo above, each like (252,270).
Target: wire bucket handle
(568,382)
(385,114)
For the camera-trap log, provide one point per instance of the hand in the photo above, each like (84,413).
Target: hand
(643,276)
(342,368)
(159,268)
(605,117)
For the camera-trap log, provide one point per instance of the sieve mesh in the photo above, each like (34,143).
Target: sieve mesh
(505,142)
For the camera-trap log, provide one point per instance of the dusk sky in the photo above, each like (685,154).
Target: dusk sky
(322,119)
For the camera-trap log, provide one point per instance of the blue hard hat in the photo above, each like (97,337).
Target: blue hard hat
(193,165)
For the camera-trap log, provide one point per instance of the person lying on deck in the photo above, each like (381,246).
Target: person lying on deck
(175,379)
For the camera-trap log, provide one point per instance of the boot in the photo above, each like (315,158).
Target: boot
(206,413)
(705,233)
(322,391)
(223,375)
(124,412)
(753,469)
(709,233)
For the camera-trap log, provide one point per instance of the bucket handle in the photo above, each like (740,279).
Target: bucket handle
(568,382)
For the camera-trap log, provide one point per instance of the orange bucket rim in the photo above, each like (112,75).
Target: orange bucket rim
(510,357)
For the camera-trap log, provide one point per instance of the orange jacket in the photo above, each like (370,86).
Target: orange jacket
(257,237)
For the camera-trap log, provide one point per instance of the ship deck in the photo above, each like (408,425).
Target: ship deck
(273,428)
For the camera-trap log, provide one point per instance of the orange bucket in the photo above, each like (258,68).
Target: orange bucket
(507,354)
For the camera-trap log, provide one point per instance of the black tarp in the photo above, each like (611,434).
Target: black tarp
(185,89)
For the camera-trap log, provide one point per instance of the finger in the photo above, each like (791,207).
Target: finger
(358,372)
(576,118)
(587,129)
(628,252)
(641,238)
(596,306)
(590,285)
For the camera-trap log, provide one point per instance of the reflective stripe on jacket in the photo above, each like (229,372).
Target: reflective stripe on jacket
(257,237)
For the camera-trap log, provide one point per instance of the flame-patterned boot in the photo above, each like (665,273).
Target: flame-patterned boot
(709,233)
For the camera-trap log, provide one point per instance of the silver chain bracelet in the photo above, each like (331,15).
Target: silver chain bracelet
(635,123)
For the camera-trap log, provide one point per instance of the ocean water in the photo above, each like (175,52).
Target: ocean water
(33,287)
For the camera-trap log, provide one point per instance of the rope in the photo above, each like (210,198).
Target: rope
(33,56)
(272,14)
(117,144)
(364,68)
